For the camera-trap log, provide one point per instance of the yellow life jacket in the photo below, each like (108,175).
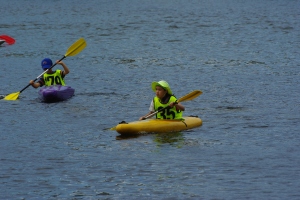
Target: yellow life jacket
(168,113)
(54,79)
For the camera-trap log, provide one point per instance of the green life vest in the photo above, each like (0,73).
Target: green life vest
(168,113)
(54,79)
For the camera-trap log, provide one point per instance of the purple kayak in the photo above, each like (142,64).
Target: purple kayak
(56,93)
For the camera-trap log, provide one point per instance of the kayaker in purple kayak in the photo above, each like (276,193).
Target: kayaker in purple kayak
(164,104)
(51,77)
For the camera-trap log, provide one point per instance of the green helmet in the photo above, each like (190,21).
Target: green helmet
(162,84)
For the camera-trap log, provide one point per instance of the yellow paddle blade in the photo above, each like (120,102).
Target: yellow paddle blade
(12,96)
(76,48)
(190,96)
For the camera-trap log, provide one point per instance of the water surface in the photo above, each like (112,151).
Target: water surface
(243,56)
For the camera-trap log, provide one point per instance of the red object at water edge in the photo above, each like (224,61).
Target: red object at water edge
(9,40)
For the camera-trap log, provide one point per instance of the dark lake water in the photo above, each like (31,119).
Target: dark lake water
(243,56)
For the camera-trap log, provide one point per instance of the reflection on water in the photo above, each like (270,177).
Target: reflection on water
(174,138)
(126,137)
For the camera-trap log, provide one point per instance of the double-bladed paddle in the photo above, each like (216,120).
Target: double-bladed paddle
(73,50)
(9,40)
(188,97)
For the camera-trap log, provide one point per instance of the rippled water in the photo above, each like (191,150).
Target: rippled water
(242,55)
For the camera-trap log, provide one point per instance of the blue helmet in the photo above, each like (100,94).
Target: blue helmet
(46,63)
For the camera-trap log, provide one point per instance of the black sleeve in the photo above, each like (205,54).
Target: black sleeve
(41,82)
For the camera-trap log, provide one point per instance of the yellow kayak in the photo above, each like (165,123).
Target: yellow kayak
(158,126)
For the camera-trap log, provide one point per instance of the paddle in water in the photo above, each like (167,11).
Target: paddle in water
(73,50)
(9,40)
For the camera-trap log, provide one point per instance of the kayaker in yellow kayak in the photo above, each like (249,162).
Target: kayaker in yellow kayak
(164,103)
(51,77)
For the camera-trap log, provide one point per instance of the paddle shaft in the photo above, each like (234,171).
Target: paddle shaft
(42,74)
(151,115)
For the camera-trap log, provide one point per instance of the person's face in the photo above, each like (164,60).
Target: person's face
(160,92)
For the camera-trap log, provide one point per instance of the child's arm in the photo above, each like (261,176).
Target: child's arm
(177,105)
(34,84)
(66,69)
